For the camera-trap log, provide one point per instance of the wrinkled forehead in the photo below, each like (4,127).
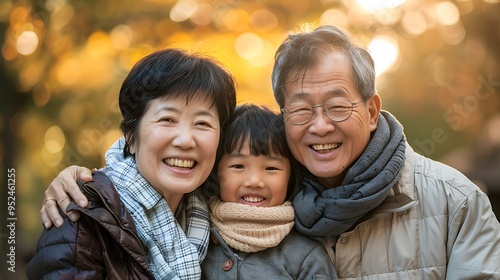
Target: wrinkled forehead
(319,58)
(330,71)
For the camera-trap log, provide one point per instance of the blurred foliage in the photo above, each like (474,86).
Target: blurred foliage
(63,62)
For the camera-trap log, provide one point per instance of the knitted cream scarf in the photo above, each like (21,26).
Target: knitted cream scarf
(251,229)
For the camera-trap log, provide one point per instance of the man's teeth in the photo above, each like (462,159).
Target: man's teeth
(180,162)
(253,199)
(322,147)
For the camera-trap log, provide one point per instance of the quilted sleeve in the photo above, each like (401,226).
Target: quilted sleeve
(57,257)
(474,240)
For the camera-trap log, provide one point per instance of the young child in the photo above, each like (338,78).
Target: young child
(252,218)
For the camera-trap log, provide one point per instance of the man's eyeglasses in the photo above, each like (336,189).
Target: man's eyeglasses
(337,109)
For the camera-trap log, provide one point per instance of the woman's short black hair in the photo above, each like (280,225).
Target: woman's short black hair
(173,73)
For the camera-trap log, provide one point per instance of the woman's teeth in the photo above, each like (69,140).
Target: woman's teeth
(180,163)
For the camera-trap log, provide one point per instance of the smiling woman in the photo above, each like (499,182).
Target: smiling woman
(173,106)
(176,145)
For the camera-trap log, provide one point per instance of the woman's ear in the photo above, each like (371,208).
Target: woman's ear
(131,147)
(374,107)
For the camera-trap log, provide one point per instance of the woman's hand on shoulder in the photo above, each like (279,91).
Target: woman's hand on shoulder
(56,195)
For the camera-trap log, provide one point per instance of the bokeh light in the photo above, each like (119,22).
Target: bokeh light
(335,17)
(121,37)
(414,23)
(374,6)
(447,13)
(492,129)
(385,51)
(183,10)
(249,45)
(54,139)
(68,71)
(27,43)
(263,20)
(235,20)
(452,34)
(203,14)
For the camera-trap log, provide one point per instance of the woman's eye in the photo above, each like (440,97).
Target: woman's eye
(167,119)
(207,124)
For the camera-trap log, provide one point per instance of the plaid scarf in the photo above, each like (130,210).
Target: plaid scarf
(329,212)
(173,253)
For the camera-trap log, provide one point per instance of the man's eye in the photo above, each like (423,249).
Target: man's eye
(300,109)
(338,108)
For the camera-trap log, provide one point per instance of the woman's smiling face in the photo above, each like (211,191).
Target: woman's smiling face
(177,144)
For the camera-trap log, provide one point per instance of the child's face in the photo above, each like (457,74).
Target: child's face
(253,180)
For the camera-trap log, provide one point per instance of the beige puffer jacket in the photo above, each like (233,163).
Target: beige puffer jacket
(436,224)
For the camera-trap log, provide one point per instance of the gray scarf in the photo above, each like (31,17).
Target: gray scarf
(329,212)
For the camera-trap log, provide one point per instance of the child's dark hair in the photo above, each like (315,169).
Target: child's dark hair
(264,130)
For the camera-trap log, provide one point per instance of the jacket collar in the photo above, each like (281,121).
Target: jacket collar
(402,195)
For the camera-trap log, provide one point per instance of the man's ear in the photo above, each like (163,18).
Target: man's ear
(374,107)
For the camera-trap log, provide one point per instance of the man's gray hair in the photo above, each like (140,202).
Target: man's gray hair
(304,50)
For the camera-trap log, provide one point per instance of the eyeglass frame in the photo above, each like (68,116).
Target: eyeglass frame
(313,108)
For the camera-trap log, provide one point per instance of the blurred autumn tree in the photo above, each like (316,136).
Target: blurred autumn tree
(63,62)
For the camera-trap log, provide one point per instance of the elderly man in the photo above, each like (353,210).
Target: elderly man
(382,210)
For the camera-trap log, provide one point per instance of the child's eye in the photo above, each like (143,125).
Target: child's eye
(238,166)
(272,168)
